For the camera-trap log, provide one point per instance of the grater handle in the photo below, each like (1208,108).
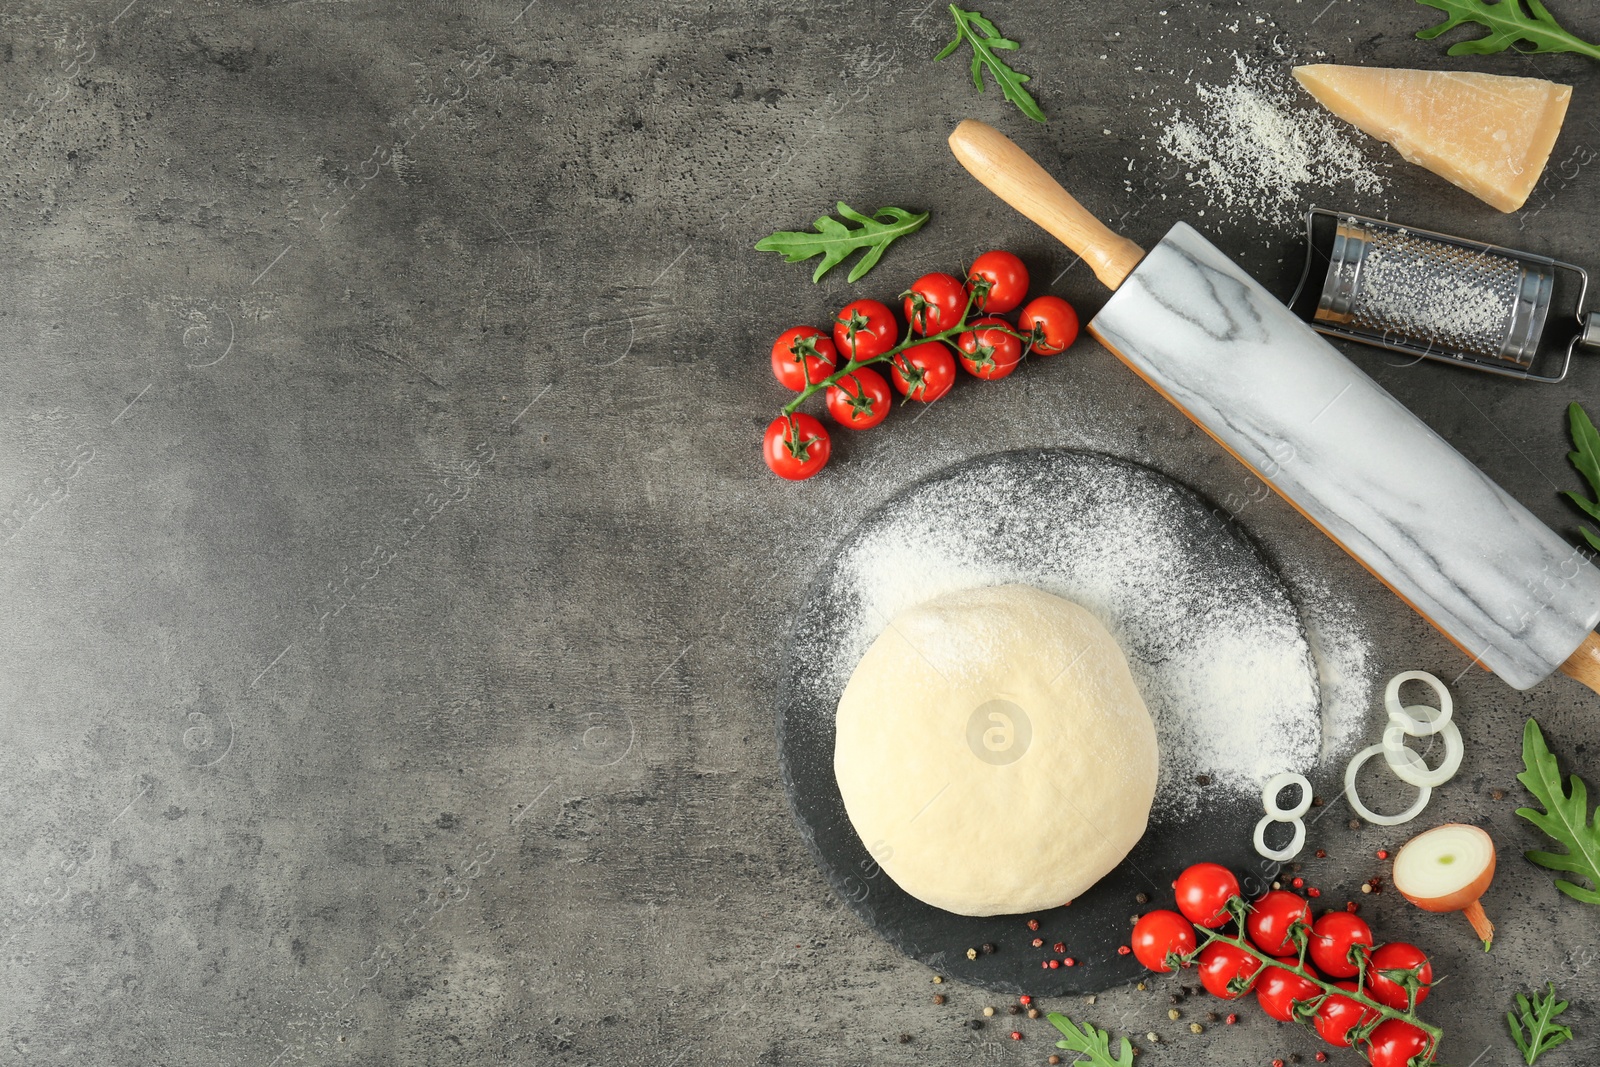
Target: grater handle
(1589,334)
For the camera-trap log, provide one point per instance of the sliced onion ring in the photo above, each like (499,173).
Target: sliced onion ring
(1423,793)
(1413,726)
(1275,785)
(1410,767)
(1282,855)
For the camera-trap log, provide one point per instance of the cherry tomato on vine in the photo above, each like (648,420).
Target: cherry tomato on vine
(989,354)
(1397,956)
(1226,970)
(1332,937)
(1204,889)
(802,356)
(1337,1016)
(1052,323)
(1279,989)
(1271,919)
(999,280)
(924,372)
(1395,1043)
(859,400)
(1159,934)
(865,329)
(795,446)
(934,302)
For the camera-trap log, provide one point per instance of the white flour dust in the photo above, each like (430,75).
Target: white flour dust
(1257,145)
(1216,647)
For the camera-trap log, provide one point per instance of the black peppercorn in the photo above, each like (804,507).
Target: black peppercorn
(1202,779)
(987,949)
(1142,898)
(905,1039)
(1015,1009)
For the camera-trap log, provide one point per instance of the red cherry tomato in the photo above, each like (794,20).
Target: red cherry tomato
(1226,971)
(795,446)
(1332,937)
(1204,889)
(1272,918)
(865,329)
(934,303)
(1159,934)
(859,400)
(1337,1015)
(998,281)
(802,356)
(1279,990)
(1396,1043)
(924,372)
(1397,956)
(990,354)
(1052,322)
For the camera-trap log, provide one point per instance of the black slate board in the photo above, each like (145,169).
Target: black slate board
(1097,923)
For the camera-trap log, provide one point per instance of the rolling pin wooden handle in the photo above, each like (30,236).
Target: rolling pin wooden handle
(1013,176)
(1584,664)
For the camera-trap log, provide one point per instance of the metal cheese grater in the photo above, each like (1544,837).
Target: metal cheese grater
(1440,297)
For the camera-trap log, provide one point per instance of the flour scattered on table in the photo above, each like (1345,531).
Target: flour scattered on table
(1216,647)
(1254,150)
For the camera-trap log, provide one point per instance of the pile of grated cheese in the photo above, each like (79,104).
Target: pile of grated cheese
(1255,150)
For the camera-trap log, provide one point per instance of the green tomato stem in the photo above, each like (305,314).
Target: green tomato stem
(1358,995)
(912,339)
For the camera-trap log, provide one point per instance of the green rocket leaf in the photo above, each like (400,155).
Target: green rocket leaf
(986,39)
(833,240)
(1096,1044)
(1565,819)
(1509,25)
(1586,441)
(1536,1031)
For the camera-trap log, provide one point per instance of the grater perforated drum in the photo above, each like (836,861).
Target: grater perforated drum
(1439,297)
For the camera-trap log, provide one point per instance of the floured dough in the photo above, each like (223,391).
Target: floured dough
(993,752)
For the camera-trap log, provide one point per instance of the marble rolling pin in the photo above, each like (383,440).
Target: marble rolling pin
(1511,594)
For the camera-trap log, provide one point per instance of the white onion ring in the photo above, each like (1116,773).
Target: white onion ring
(1283,855)
(1275,784)
(1423,793)
(1397,713)
(1410,767)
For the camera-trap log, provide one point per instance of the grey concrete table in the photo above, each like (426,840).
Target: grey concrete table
(391,587)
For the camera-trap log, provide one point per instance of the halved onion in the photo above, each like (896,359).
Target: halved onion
(1448,869)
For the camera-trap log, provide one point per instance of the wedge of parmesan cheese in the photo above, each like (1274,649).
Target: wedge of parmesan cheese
(1489,134)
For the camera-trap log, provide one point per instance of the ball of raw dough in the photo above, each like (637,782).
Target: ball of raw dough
(993,751)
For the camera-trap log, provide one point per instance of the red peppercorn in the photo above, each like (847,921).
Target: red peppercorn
(1045,964)
(1322,854)
(1313,892)
(1060,946)
(1352,907)
(1232,1019)
(1070,962)
(1383,853)
(1322,1057)
(1016,1035)
(1038,941)
(1053,964)
(1024,1000)
(1298,882)
(1123,950)
(1277,1063)
(1033,924)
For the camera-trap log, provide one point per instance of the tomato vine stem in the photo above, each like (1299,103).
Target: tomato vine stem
(912,339)
(1384,1011)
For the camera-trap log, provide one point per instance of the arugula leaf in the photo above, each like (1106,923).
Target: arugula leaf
(1096,1044)
(1543,1033)
(1565,819)
(833,240)
(1509,27)
(986,39)
(1586,439)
